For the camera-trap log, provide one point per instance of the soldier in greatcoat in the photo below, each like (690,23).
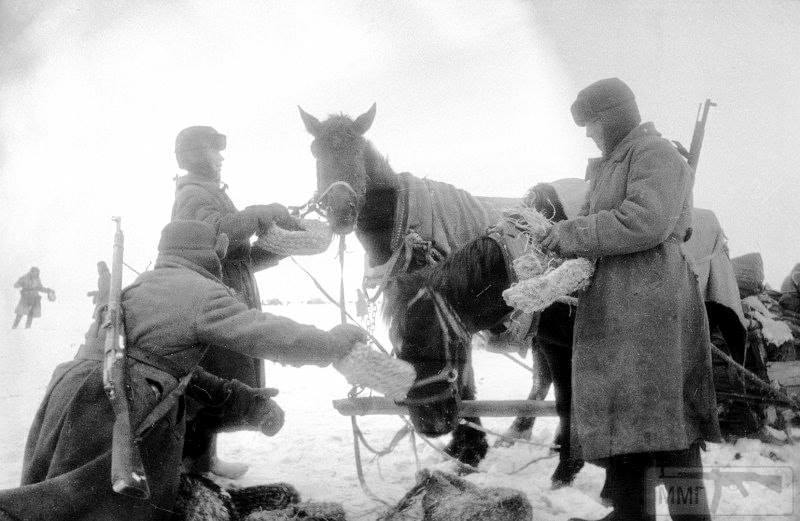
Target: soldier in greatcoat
(172,314)
(201,195)
(643,395)
(30,300)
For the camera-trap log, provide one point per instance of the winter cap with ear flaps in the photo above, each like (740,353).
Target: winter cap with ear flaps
(199,136)
(598,97)
(187,235)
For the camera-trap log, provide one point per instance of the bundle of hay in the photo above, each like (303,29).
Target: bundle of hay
(378,371)
(309,237)
(439,496)
(543,278)
(538,292)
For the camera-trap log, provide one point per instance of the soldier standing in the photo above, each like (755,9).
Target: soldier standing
(30,302)
(200,195)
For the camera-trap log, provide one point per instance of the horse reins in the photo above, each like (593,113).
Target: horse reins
(448,321)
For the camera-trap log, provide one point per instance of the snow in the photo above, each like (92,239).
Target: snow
(314,451)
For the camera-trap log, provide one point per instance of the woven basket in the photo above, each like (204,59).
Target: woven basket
(51,295)
(314,238)
(380,372)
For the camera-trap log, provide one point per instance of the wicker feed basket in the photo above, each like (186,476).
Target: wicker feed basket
(314,238)
(380,372)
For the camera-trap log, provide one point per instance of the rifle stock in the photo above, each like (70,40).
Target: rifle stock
(127,471)
(699,133)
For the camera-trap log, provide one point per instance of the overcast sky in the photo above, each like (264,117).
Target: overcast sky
(473,93)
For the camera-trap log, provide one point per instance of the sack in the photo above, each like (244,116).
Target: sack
(749,272)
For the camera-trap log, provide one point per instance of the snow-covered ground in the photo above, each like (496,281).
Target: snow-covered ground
(314,451)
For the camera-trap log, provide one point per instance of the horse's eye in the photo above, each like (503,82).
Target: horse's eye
(314,148)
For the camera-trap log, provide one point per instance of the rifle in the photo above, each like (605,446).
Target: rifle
(127,471)
(693,154)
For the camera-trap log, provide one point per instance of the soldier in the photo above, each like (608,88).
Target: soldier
(30,302)
(643,395)
(100,295)
(200,195)
(172,314)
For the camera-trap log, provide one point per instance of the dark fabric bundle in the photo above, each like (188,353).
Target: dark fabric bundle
(439,496)
(276,496)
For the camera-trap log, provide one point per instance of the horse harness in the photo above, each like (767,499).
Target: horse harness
(448,322)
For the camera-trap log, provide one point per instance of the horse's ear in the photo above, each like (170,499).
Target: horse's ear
(364,121)
(312,124)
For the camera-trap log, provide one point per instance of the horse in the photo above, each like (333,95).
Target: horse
(468,287)
(357,190)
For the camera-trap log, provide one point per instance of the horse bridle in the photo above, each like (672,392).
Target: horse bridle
(316,203)
(448,321)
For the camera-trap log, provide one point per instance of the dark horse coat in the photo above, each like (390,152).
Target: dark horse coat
(641,359)
(176,311)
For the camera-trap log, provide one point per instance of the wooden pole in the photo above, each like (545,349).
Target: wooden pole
(484,408)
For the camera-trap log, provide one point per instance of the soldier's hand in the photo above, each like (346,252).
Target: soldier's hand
(267,214)
(551,241)
(264,412)
(344,337)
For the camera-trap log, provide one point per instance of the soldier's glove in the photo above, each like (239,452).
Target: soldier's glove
(344,337)
(264,413)
(266,214)
(254,407)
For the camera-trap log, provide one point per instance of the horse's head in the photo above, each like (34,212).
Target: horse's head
(339,147)
(437,352)
(434,337)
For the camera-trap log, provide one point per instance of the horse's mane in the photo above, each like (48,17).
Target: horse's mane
(461,278)
(544,198)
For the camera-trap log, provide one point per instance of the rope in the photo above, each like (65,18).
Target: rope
(776,393)
(461,464)
(399,435)
(337,304)
(518,362)
(503,436)
(359,469)
(531,462)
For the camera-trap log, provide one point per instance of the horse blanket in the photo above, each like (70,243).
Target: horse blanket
(438,217)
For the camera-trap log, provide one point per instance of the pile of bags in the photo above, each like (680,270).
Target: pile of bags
(201,499)
(771,327)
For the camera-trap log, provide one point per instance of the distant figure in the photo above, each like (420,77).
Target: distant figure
(100,296)
(30,302)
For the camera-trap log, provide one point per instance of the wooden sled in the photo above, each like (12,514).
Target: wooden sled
(373,406)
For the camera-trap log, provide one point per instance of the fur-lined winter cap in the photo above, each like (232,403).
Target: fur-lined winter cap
(187,235)
(192,138)
(598,97)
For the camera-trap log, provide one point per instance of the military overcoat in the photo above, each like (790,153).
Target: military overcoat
(642,379)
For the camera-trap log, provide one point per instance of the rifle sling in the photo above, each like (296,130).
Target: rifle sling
(94,351)
(161,363)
